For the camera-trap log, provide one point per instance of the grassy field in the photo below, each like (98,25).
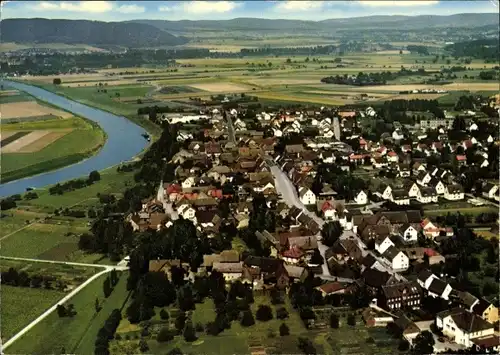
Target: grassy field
(76,335)
(24,233)
(20,305)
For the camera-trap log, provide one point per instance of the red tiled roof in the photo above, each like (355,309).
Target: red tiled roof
(217,193)
(327,205)
(173,188)
(294,252)
(362,141)
(468,143)
(430,252)
(461,157)
(331,287)
(392,154)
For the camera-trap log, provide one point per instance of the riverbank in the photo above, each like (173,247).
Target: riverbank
(85,96)
(123,143)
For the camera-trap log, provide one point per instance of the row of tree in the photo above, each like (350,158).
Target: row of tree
(366,79)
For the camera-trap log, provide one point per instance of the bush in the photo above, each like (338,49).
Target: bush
(143,346)
(334,321)
(247,319)
(164,314)
(282,313)
(284,330)
(264,313)
(164,335)
(351,320)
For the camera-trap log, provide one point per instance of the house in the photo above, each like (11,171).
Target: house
(328,209)
(272,270)
(396,259)
(418,254)
(306,196)
(437,185)
(384,191)
(332,288)
(392,157)
(400,197)
(401,295)
(486,310)
(412,188)
(376,318)
(427,195)
(382,243)
(490,190)
(439,288)
(454,192)
(462,326)
(407,327)
(408,233)
(404,170)
(230,271)
(293,255)
(361,198)
(423,178)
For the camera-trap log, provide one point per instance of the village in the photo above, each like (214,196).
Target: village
(401,220)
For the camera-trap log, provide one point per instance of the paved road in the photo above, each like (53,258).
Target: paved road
(107,268)
(287,190)
(289,194)
(230,130)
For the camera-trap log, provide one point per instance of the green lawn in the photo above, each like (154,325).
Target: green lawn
(69,149)
(77,335)
(20,305)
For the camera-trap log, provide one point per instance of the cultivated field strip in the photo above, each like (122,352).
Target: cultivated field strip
(9,137)
(43,141)
(30,109)
(18,144)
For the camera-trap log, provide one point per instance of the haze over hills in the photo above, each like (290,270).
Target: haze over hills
(127,34)
(155,33)
(369,22)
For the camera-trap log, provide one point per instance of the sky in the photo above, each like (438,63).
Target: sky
(219,10)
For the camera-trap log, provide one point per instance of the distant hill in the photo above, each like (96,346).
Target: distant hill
(368,22)
(126,34)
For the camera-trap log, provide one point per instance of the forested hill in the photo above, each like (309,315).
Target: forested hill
(127,34)
(368,22)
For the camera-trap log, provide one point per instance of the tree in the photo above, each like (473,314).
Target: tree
(61,311)
(351,320)
(94,176)
(403,345)
(164,314)
(334,321)
(106,287)
(264,313)
(97,305)
(113,277)
(423,343)
(164,335)
(284,330)
(180,322)
(331,232)
(281,313)
(175,351)
(306,346)
(316,258)
(143,346)
(189,333)
(57,81)
(247,319)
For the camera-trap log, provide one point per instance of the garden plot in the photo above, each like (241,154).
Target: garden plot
(29,109)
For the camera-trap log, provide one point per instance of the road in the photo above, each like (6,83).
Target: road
(230,130)
(107,268)
(483,200)
(289,194)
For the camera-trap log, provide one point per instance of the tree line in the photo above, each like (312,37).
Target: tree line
(366,79)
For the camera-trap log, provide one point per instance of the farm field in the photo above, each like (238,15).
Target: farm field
(31,231)
(48,149)
(20,305)
(76,334)
(30,109)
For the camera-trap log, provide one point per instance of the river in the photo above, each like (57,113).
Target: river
(124,141)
